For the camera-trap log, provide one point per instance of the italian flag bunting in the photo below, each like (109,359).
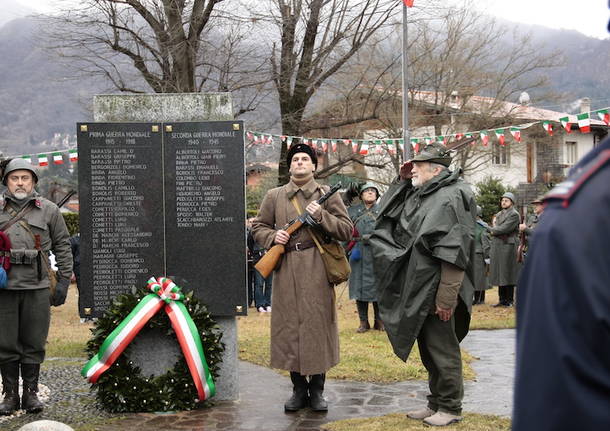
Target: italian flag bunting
(546,125)
(584,122)
(428,140)
(73,155)
(333,145)
(355,146)
(565,122)
(516,132)
(364,148)
(469,136)
(27,159)
(43,160)
(415,144)
(484,137)
(58,159)
(604,115)
(500,136)
(458,136)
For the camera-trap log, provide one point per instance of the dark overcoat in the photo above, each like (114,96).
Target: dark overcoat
(304,334)
(562,377)
(362,279)
(417,229)
(482,249)
(504,268)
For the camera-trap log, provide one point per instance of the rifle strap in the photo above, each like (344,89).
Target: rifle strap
(16,215)
(311,232)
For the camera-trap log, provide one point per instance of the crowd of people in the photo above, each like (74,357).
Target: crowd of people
(421,254)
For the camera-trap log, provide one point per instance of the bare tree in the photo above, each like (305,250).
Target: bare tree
(315,39)
(160,45)
(463,67)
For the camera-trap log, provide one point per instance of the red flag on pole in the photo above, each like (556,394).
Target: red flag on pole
(408,3)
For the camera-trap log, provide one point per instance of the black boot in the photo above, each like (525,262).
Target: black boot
(364,326)
(299,399)
(29,400)
(10,388)
(316,390)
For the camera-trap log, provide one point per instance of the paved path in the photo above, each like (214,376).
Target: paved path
(263,392)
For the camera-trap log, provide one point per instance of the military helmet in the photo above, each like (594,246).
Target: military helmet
(17,164)
(538,200)
(510,196)
(434,153)
(369,185)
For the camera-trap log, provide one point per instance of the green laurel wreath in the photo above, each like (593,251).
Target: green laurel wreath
(122,388)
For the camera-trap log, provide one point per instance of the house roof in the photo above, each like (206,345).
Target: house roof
(491,106)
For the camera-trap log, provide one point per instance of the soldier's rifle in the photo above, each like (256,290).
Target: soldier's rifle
(269,261)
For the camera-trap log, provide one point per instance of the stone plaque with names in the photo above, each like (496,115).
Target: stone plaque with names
(162,199)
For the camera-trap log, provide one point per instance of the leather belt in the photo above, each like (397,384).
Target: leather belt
(298,246)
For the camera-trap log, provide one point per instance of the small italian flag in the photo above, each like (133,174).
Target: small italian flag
(484,137)
(516,132)
(584,122)
(364,148)
(469,136)
(73,155)
(500,136)
(58,158)
(333,146)
(604,115)
(415,145)
(43,160)
(355,146)
(458,136)
(565,122)
(427,140)
(546,125)
(27,159)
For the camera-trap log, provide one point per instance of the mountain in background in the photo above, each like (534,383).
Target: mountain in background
(40,104)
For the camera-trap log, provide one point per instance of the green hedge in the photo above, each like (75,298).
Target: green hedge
(72,222)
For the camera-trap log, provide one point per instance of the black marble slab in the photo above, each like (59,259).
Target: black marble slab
(162,199)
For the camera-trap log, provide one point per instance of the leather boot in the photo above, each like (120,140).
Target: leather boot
(29,400)
(378,325)
(316,390)
(299,399)
(10,388)
(364,326)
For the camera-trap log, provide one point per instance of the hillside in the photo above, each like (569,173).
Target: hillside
(39,101)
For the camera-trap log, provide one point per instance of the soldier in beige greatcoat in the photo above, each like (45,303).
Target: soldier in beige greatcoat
(304,333)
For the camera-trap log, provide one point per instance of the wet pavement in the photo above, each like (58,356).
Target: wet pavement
(263,392)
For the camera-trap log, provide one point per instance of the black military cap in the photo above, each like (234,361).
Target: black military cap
(302,148)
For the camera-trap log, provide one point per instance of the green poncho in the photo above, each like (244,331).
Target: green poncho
(416,229)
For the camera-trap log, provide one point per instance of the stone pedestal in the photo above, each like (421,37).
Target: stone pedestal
(180,108)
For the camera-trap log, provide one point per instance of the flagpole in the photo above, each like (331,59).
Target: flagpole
(406,135)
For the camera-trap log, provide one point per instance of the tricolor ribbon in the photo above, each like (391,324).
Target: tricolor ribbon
(165,293)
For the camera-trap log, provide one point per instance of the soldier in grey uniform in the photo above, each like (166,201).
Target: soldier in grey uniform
(532,221)
(362,279)
(34,226)
(504,269)
(482,243)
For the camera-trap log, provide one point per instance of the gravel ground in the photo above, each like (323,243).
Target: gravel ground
(66,396)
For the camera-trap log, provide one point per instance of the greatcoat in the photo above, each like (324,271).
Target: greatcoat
(362,279)
(482,247)
(504,269)
(417,229)
(304,333)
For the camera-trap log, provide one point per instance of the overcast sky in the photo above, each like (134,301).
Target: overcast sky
(587,16)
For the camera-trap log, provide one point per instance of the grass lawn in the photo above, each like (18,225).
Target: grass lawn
(368,356)
(399,422)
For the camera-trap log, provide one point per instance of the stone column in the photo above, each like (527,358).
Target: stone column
(180,107)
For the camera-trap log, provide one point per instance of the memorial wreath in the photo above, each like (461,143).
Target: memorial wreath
(120,385)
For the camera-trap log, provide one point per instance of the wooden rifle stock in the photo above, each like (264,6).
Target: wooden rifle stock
(269,261)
